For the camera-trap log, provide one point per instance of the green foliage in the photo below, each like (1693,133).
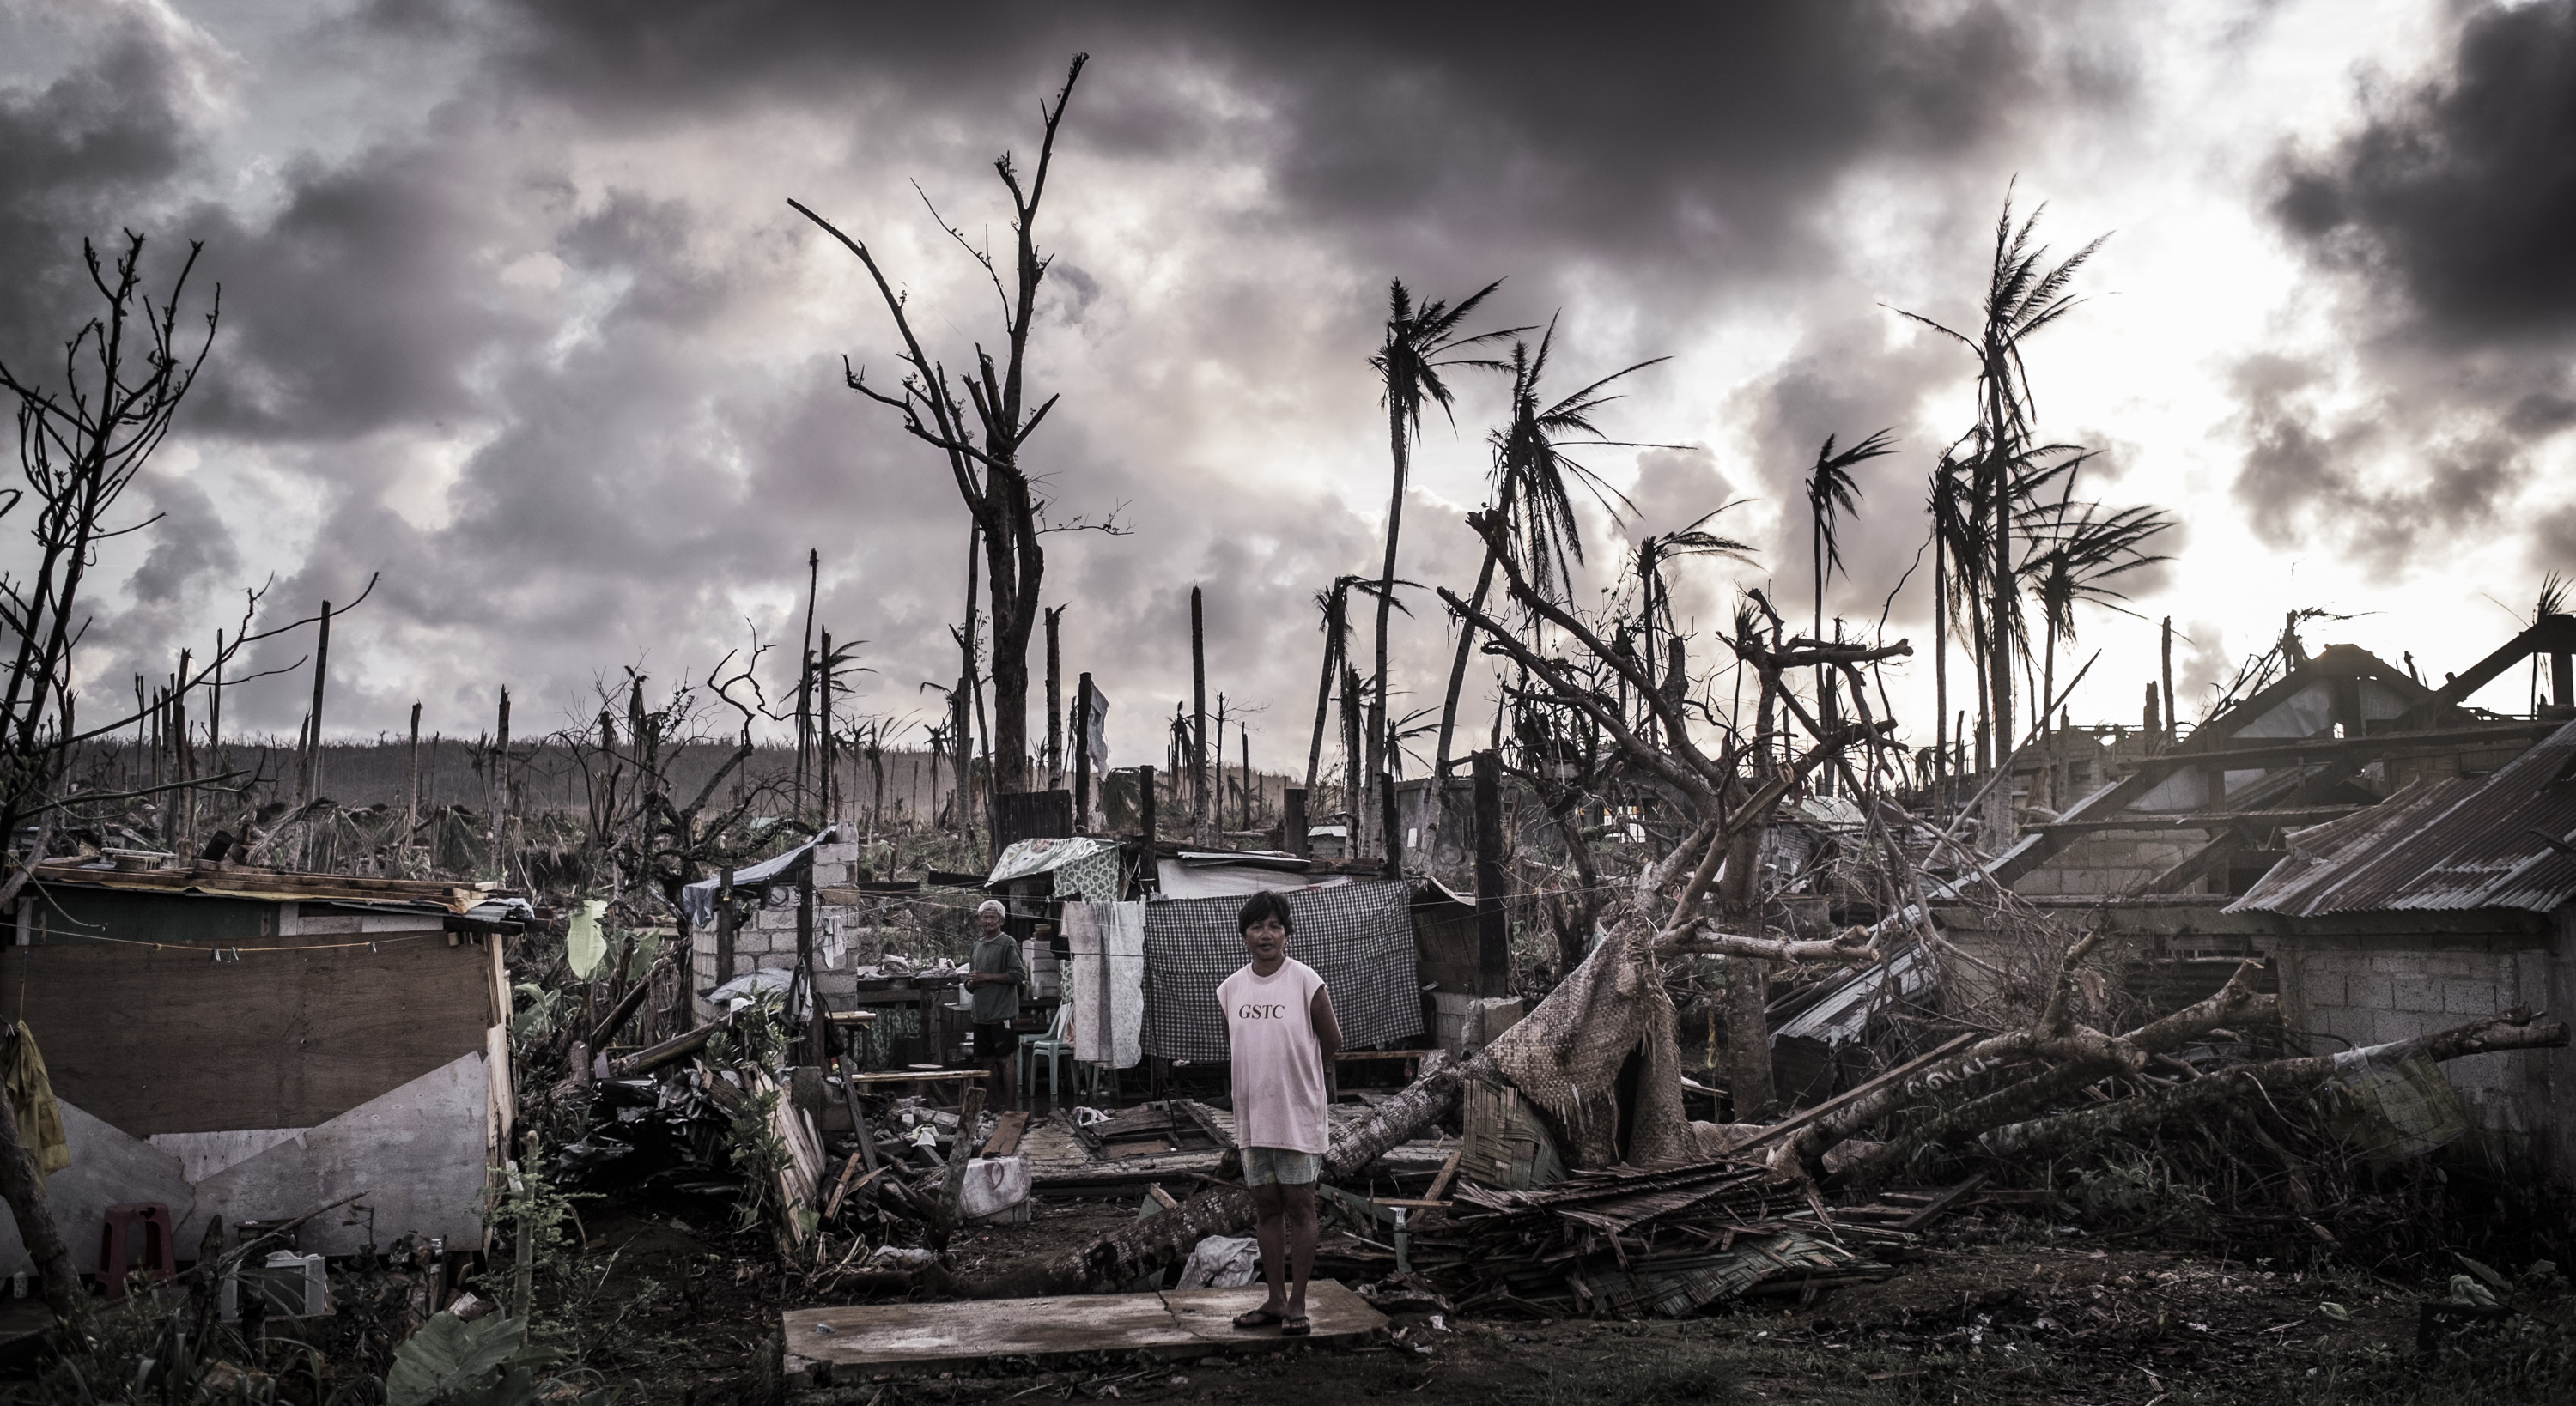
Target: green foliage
(2137,1191)
(488,1362)
(538,1015)
(755,1044)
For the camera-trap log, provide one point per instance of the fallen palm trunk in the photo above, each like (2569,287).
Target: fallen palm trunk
(2513,1030)
(1158,1242)
(2085,1061)
(2053,1033)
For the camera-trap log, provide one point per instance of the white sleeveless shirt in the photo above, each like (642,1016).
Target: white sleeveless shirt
(1278,1061)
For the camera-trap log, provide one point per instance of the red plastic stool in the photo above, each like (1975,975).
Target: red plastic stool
(159,1254)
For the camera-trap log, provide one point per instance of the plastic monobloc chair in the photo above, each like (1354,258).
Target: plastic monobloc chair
(1055,1047)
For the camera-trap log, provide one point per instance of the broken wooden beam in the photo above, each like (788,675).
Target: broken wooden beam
(670,1051)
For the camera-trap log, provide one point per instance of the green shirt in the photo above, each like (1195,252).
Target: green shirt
(995,1001)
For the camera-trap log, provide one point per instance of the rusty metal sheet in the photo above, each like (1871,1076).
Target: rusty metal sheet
(2496,842)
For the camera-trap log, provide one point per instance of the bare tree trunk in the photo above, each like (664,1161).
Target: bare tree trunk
(805,664)
(1198,758)
(1054,704)
(411,807)
(501,795)
(1354,790)
(2173,723)
(1940,657)
(1362,824)
(1323,711)
(1458,672)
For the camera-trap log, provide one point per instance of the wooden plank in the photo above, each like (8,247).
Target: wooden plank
(841,1187)
(1007,1132)
(1448,1173)
(2147,821)
(1940,1204)
(859,1121)
(168,1040)
(1205,1118)
(833,1344)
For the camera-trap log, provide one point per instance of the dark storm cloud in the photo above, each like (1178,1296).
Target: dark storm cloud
(74,155)
(634,483)
(2307,476)
(2452,211)
(360,305)
(2461,194)
(1448,139)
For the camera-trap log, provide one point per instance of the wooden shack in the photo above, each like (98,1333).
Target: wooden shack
(254,1044)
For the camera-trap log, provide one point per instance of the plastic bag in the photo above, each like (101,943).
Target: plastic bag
(1222,1262)
(993,1185)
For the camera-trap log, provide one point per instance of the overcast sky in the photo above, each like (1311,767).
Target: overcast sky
(516,314)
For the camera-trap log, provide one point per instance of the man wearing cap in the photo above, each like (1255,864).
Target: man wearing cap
(994,977)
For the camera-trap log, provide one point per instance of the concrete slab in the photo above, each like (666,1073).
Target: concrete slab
(825,1345)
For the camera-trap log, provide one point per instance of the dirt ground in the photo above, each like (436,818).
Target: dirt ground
(2010,1310)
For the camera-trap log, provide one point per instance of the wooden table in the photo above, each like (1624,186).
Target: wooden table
(927,1000)
(961,1077)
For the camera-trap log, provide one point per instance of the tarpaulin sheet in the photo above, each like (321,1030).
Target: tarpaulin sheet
(1357,936)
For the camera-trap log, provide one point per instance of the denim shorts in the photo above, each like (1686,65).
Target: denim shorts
(1264,1166)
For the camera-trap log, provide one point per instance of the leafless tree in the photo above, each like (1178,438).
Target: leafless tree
(984,452)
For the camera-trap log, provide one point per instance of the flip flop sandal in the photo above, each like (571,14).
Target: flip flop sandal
(1259,1318)
(1295,1326)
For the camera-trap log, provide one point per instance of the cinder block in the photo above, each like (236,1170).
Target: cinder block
(836,983)
(843,854)
(776,920)
(2394,966)
(2469,998)
(2392,1026)
(2372,990)
(831,873)
(2418,994)
(2351,1027)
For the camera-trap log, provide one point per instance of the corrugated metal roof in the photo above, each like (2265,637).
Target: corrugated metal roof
(266,885)
(2447,844)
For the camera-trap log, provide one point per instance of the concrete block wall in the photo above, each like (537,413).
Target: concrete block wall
(2343,993)
(767,938)
(2108,864)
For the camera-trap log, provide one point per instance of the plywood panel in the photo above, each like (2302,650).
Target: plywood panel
(910,1337)
(108,1169)
(417,1153)
(168,1040)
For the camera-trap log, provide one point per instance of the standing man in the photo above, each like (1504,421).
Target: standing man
(994,976)
(1280,1022)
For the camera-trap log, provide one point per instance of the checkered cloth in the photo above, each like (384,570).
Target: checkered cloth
(1358,936)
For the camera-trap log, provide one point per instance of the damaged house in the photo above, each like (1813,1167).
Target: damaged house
(2397,861)
(254,1045)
